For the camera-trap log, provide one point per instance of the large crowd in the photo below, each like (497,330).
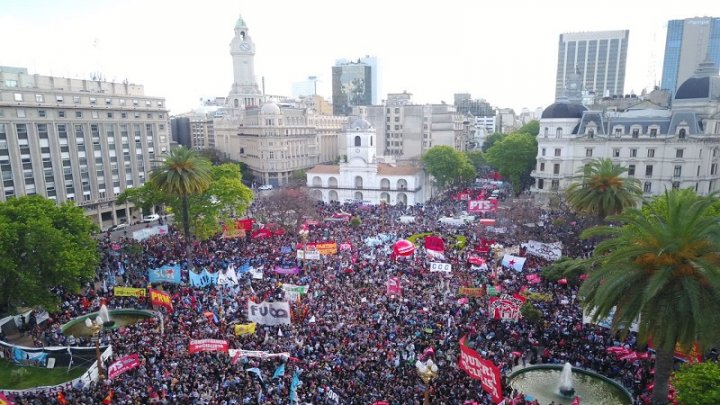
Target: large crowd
(350,341)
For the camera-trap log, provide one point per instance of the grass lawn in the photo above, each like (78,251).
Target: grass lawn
(37,377)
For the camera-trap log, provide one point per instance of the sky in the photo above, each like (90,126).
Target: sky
(504,52)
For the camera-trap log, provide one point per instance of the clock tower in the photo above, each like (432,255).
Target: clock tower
(244,91)
(360,143)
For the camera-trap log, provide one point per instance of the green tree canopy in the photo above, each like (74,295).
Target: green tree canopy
(698,383)
(601,190)
(532,128)
(659,203)
(477,159)
(490,140)
(144,197)
(448,166)
(514,157)
(43,245)
(660,267)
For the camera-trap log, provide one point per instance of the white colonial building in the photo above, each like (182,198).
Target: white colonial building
(677,147)
(364,176)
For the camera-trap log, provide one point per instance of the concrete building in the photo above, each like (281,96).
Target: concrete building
(689,42)
(477,107)
(664,148)
(352,86)
(507,121)
(599,58)
(245,92)
(364,177)
(80,140)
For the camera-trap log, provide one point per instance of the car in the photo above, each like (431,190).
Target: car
(266,187)
(118,227)
(151,218)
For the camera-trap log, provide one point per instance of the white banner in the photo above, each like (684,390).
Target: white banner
(145,233)
(548,251)
(262,355)
(257,272)
(444,267)
(308,254)
(269,313)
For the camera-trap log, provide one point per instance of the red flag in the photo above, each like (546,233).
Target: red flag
(61,398)
(393,286)
(5,400)
(108,399)
(161,299)
(480,369)
(434,243)
(576,400)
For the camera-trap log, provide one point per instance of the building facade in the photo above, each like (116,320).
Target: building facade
(688,43)
(351,86)
(245,92)
(363,177)
(81,140)
(665,148)
(599,57)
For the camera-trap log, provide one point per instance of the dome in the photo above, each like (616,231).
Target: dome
(704,84)
(270,108)
(563,109)
(240,23)
(360,124)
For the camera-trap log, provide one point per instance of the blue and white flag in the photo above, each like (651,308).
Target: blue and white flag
(514,262)
(294,384)
(279,371)
(257,372)
(165,274)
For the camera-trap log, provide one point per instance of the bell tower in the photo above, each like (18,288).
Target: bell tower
(244,91)
(360,141)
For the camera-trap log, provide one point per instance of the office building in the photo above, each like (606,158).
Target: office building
(477,108)
(689,42)
(599,58)
(80,140)
(352,86)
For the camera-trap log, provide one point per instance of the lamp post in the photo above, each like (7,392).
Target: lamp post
(428,371)
(99,323)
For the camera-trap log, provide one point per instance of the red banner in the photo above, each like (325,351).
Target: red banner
(263,233)
(246,224)
(480,369)
(208,345)
(345,246)
(477,206)
(123,365)
(161,299)
(434,243)
(506,307)
(476,260)
(393,286)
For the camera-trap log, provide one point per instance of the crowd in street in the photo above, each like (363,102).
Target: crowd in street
(350,341)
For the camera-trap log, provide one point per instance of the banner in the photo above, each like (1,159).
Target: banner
(29,359)
(256,272)
(145,233)
(203,279)
(123,365)
(480,369)
(514,262)
(444,267)
(308,254)
(208,345)
(471,292)
(607,321)
(245,328)
(393,286)
(161,299)
(506,307)
(548,251)
(325,248)
(476,260)
(434,243)
(286,270)
(129,292)
(165,274)
(269,313)
(480,206)
(236,354)
(227,277)
(345,246)
(293,292)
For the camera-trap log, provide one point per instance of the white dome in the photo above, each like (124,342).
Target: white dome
(270,108)
(360,124)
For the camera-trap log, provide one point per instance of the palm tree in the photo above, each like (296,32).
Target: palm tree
(660,266)
(183,173)
(601,191)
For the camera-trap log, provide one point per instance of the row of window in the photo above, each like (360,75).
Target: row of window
(677,170)
(647,186)
(22,113)
(616,152)
(59,98)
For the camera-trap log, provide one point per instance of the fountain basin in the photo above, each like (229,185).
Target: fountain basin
(120,317)
(541,382)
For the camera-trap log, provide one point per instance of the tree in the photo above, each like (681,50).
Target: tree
(43,245)
(447,166)
(601,190)
(288,207)
(514,157)
(660,267)
(532,128)
(217,157)
(144,197)
(477,159)
(298,178)
(698,383)
(491,140)
(182,174)
(567,268)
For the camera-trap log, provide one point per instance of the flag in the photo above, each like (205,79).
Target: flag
(5,400)
(61,398)
(245,329)
(279,371)
(216,317)
(576,400)
(514,262)
(294,384)
(160,298)
(257,372)
(108,399)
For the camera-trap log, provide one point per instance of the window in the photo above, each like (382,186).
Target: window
(651,153)
(123,115)
(159,103)
(543,152)
(93,100)
(682,133)
(591,132)
(61,114)
(122,101)
(541,183)
(78,114)
(18,97)
(547,130)
(618,131)
(108,101)
(635,132)
(558,132)
(542,167)
(713,168)
(150,117)
(556,168)
(679,153)
(678,171)
(631,170)
(76,99)
(555,185)
(20,113)
(676,185)
(647,187)
(42,113)
(588,152)
(557,151)
(39,98)
(135,102)
(648,170)
(616,152)
(653,132)
(109,115)
(147,103)
(633,152)
(11,83)
(95,114)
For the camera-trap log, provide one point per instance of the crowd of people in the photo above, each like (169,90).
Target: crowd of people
(350,341)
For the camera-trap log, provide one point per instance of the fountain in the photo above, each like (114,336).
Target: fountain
(109,319)
(561,383)
(566,387)
(104,316)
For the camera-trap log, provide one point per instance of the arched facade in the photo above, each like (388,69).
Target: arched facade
(317,181)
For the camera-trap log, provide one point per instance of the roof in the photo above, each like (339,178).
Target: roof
(704,84)
(324,169)
(562,109)
(389,170)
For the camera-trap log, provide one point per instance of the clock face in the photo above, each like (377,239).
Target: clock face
(244,46)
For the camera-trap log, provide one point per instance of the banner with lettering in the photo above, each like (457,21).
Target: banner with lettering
(207,345)
(472,292)
(269,313)
(165,274)
(548,251)
(345,246)
(237,354)
(506,307)
(308,254)
(325,248)
(393,286)
(161,299)
(286,269)
(443,267)
(245,328)
(480,206)
(123,365)
(293,292)
(482,370)
(203,279)
(129,292)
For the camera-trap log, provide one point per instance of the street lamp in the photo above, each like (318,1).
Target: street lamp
(428,371)
(99,323)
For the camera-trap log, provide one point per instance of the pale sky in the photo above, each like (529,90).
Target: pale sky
(504,52)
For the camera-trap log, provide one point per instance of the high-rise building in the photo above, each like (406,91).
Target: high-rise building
(352,86)
(599,57)
(477,108)
(245,92)
(689,42)
(80,140)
